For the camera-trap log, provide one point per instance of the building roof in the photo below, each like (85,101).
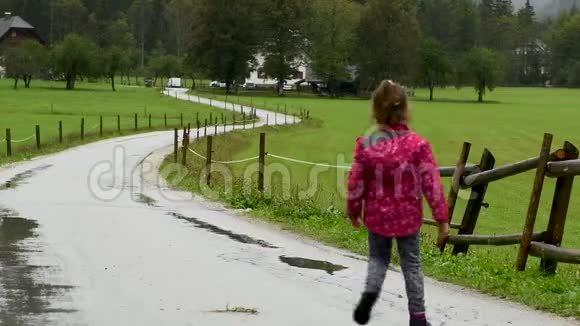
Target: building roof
(9,22)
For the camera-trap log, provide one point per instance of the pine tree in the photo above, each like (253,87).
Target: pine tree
(387,42)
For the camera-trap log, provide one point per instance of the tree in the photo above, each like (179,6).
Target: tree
(565,46)
(282,22)
(433,65)
(73,57)
(483,69)
(497,24)
(394,23)
(226,37)
(529,51)
(165,66)
(332,36)
(436,19)
(178,16)
(70,17)
(25,60)
(118,54)
(139,14)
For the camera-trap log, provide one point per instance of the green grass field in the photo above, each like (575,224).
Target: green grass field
(47,103)
(511,125)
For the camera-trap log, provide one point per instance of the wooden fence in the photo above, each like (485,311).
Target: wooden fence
(36,138)
(562,164)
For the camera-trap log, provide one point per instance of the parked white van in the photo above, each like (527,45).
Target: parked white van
(174,83)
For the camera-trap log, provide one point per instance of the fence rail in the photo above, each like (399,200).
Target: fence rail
(562,163)
(558,169)
(99,128)
(490,240)
(548,251)
(507,170)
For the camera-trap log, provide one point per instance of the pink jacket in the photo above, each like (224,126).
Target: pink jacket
(392,169)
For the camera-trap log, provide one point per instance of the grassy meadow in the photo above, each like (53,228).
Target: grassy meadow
(46,103)
(511,125)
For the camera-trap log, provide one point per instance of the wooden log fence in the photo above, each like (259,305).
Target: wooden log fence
(491,240)
(476,201)
(562,164)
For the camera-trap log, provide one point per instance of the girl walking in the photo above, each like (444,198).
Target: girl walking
(393,169)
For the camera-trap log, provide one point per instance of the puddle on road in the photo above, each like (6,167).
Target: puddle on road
(21,177)
(144,199)
(232,235)
(24,299)
(299,262)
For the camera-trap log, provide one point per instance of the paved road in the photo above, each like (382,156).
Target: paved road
(127,250)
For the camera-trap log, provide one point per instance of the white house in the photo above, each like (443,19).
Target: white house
(258,78)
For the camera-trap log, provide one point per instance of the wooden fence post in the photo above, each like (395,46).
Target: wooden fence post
(474,204)
(276,115)
(8,142)
(262,161)
(208,159)
(197,131)
(118,123)
(101,126)
(184,147)
(181,119)
(150,121)
(559,211)
(215,127)
(136,122)
(165,120)
(37,137)
(534,203)
(244,121)
(210,117)
(175,143)
(205,128)
(456,180)
(82,128)
(225,122)
(285,114)
(60,132)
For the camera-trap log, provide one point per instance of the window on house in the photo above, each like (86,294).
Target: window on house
(13,34)
(261,74)
(298,75)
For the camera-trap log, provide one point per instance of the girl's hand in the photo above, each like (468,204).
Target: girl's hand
(357,223)
(443,234)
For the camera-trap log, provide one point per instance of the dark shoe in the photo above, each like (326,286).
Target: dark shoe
(419,323)
(362,313)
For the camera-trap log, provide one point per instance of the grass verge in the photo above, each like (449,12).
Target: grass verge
(489,270)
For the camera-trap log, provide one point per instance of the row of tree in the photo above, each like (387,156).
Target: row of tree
(429,43)
(79,57)
(419,42)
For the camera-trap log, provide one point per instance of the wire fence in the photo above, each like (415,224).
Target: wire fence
(279,157)
(22,140)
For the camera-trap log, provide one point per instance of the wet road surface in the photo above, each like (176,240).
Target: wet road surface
(92,236)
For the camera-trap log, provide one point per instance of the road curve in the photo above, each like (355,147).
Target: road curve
(92,236)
